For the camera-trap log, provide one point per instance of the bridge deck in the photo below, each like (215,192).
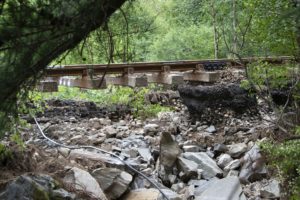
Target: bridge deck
(145,67)
(157,72)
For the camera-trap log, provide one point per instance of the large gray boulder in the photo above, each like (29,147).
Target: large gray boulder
(113,182)
(224,160)
(151,194)
(253,166)
(83,182)
(146,154)
(236,150)
(169,150)
(224,189)
(271,190)
(95,156)
(206,163)
(188,169)
(32,187)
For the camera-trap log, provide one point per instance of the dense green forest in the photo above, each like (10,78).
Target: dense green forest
(191,29)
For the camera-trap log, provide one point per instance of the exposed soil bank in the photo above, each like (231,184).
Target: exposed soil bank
(202,101)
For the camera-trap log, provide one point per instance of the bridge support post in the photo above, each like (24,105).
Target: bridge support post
(165,77)
(202,76)
(128,79)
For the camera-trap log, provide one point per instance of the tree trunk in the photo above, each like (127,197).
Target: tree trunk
(216,35)
(234,29)
(26,56)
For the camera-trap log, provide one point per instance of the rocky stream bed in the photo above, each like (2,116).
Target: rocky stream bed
(211,156)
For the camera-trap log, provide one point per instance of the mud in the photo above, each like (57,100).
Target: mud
(203,101)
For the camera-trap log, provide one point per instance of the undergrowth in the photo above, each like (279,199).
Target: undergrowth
(283,157)
(5,154)
(112,95)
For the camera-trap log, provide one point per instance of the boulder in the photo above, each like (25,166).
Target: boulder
(253,166)
(191,148)
(271,190)
(151,129)
(201,185)
(83,182)
(188,168)
(31,187)
(236,150)
(151,194)
(169,150)
(95,123)
(113,182)
(234,164)
(207,164)
(170,194)
(220,148)
(224,160)
(110,131)
(224,189)
(146,154)
(85,154)
(233,173)
(211,129)
(143,194)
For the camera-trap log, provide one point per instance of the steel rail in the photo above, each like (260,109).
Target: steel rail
(144,67)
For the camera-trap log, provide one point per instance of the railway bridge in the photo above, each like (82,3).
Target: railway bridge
(140,74)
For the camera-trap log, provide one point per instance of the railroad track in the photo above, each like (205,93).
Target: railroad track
(150,67)
(166,72)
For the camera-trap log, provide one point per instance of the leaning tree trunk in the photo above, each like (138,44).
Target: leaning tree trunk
(33,33)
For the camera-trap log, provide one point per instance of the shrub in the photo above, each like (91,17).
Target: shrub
(285,158)
(5,154)
(109,96)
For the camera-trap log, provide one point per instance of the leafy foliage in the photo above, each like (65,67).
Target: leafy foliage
(285,157)
(33,33)
(5,154)
(274,76)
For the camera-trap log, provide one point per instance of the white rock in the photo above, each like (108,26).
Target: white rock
(207,164)
(191,148)
(236,150)
(151,128)
(228,188)
(233,165)
(211,129)
(224,160)
(146,154)
(84,154)
(271,190)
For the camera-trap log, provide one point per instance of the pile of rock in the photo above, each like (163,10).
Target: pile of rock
(187,160)
(168,97)
(82,109)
